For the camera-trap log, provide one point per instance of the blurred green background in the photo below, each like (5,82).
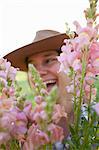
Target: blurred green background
(22,80)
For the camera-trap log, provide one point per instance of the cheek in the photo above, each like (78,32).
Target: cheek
(55,69)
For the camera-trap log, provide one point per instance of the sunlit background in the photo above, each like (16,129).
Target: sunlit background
(20,19)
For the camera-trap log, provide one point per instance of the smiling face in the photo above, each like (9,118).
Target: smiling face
(47,65)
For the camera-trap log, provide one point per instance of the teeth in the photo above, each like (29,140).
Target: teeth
(50,81)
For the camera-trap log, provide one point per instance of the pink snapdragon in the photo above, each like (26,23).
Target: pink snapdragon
(14,124)
(69,58)
(96,108)
(87,31)
(4,137)
(94,58)
(35,138)
(7,104)
(6,70)
(39,113)
(84,48)
(56,133)
(28,110)
(58,113)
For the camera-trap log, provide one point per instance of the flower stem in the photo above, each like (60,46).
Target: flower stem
(78,110)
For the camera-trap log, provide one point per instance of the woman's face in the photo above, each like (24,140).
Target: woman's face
(47,65)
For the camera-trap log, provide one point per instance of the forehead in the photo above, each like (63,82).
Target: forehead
(43,54)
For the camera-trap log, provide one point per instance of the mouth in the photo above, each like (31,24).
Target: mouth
(50,84)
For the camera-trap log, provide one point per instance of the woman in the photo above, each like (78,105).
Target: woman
(42,53)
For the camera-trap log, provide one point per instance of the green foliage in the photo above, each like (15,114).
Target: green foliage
(51,100)
(91,11)
(38,83)
(14,145)
(97,87)
(22,83)
(11,145)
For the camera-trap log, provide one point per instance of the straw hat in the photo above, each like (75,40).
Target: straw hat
(44,40)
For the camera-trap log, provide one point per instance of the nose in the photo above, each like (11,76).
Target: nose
(42,70)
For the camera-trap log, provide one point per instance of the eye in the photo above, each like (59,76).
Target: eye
(50,60)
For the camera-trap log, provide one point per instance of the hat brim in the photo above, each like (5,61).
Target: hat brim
(18,57)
